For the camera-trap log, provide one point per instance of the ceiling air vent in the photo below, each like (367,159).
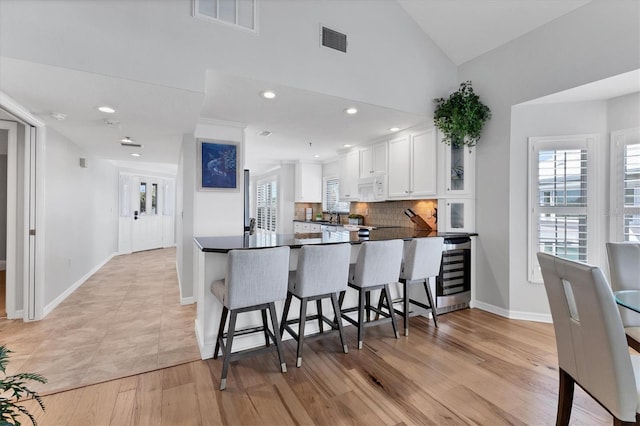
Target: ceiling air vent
(334,39)
(131,145)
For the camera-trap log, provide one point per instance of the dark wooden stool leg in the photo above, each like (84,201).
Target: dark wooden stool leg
(406,307)
(274,323)
(267,340)
(391,312)
(361,303)
(223,321)
(285,312)
(227,352)
(367,305)
(565,398)
(319,310)
(431,302)
(338,314)
(301,323)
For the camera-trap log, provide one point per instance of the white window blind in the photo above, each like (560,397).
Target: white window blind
(625,212)
(241,13)
(559,218)
(331,197)
(266,205)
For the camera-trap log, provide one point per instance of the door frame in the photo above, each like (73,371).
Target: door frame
(33,171)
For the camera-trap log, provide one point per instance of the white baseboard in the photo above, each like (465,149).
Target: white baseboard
(517,315)
(187,300)
(19,314)
(51,306)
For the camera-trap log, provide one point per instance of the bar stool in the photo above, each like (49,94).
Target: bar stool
(322,272)
(422,261)
(255,280)
(377,266)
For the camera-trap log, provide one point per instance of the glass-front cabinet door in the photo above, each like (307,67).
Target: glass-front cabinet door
(460,215)
(459,171)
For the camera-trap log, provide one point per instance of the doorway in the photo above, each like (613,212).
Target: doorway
(146,213)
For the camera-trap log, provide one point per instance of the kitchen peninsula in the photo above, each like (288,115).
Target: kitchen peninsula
(211,261)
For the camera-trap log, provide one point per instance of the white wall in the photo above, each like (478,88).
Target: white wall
(549,120)
(82,220)
(153,40)
(596,41)
(623,112)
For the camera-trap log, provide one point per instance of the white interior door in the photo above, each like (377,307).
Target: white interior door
(147,229)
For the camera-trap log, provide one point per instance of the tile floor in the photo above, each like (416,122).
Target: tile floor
(126,319)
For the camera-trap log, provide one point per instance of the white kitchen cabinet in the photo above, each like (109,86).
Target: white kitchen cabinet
(348,173)
(459,215)
(373,160)
(306,227)
(412,165)
(459,171)
(308,182)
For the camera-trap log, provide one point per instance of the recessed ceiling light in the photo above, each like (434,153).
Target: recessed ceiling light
(351,110)
(394,129)
(268,94)
(135,154)
(58,116)
(347,145)
(126,139)
(264,133)
(106,109)
(316,156)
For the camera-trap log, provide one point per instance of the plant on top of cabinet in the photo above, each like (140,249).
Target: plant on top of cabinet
(461,116)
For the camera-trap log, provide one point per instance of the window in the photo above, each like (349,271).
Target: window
(560,188)
(143,197)
(241,13)
(266,204)
(154,198)
(330,200)
(625,196)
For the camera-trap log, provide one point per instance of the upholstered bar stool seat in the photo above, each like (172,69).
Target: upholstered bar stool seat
(321,273)
(255,280)
(377,266)
(422,260)
(624,268)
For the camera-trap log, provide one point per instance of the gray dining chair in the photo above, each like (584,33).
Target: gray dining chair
(321,273)
(377,266)
(421,261)
(624,268)
(255,279)
(592,348)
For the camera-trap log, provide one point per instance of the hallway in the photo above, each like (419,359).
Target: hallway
(126,319)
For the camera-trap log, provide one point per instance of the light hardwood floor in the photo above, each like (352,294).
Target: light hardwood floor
(126,319)
(476,368)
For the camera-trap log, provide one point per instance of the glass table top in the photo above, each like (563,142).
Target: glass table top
(629,299)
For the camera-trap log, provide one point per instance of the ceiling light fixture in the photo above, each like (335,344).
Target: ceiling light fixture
(58,116)
(268,94)
(126,139)
(347,145)
(264,133)
(106,109)
(394,129)
(135,154)
(316,156)
(351,110)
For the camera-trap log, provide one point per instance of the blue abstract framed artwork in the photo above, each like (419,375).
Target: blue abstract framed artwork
(218,165)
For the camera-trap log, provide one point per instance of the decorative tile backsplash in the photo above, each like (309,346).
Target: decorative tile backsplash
(390,213)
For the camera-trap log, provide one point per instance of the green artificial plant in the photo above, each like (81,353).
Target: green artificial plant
(13,389)
(461,116)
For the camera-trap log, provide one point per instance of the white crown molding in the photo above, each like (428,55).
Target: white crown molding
(11,106)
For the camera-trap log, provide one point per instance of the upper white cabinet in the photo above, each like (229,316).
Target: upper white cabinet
(308,182)
(459,179)
(348,172)
(412,165)
(373,160)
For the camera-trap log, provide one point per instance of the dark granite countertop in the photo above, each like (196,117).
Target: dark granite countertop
(224,244)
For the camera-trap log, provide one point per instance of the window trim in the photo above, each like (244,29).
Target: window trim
(264,181)
(535,144)
(616,202)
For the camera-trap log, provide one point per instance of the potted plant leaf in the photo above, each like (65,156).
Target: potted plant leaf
(461,116)
(13,389)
